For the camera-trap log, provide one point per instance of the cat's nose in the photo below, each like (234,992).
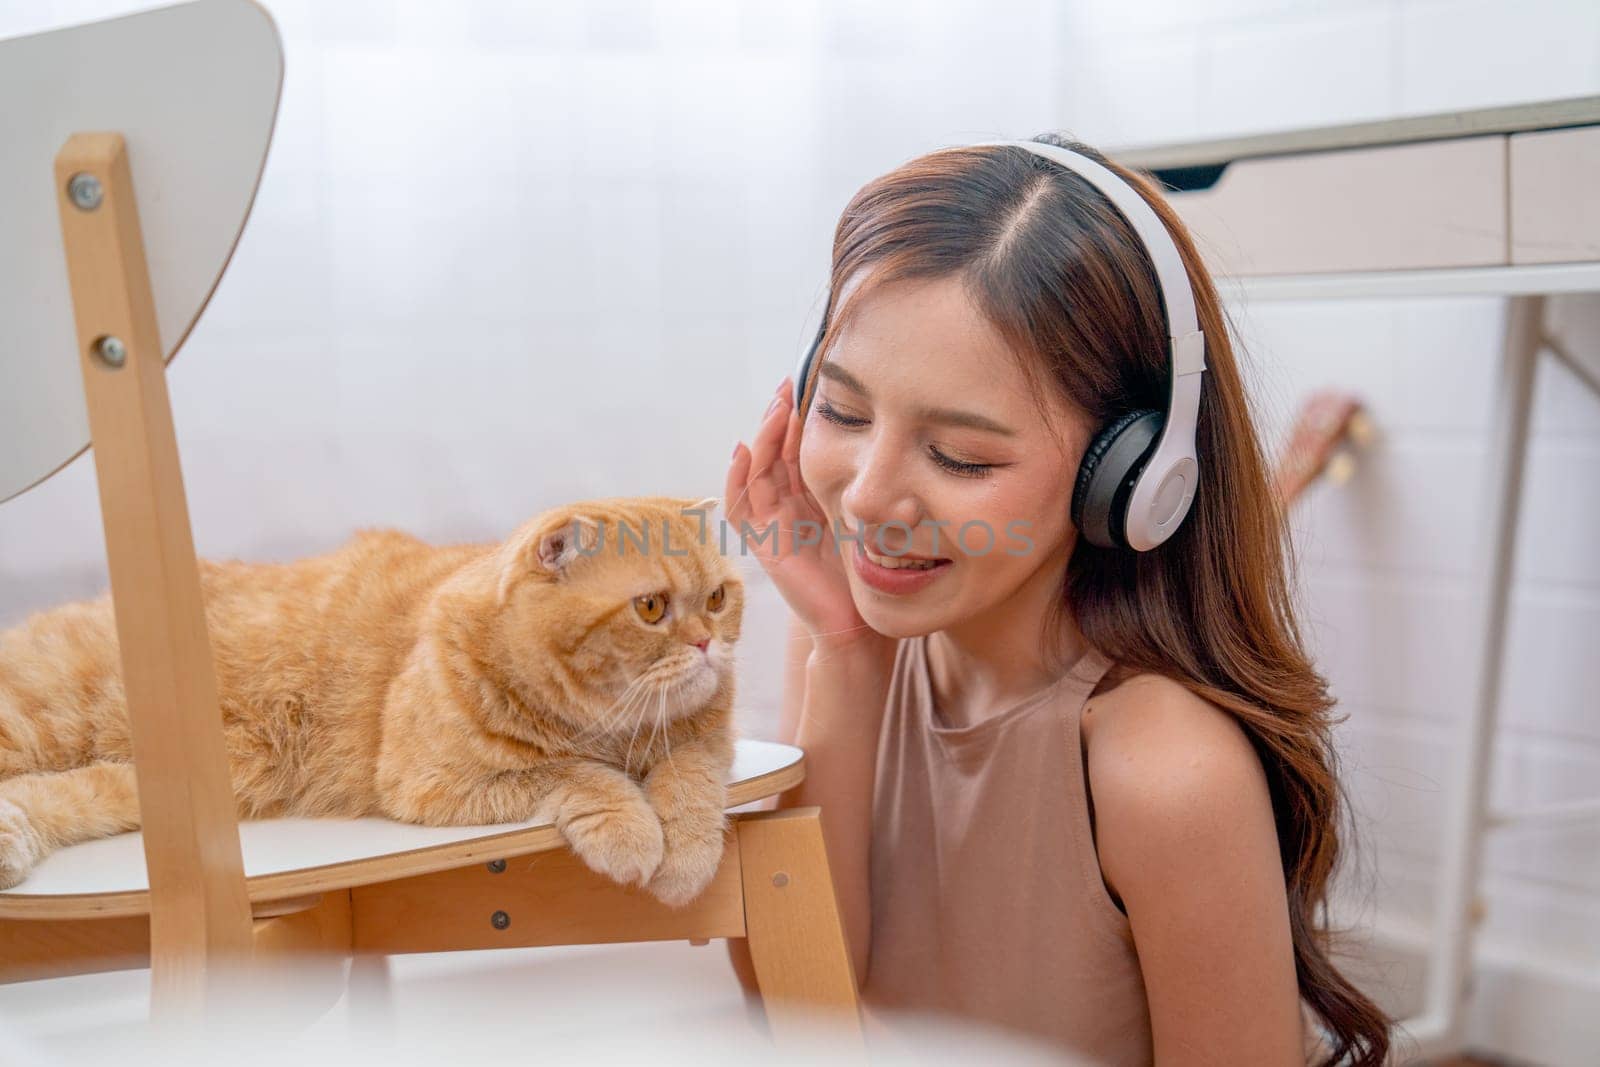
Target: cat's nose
(701,644)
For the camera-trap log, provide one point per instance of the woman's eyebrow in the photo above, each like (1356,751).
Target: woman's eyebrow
(947,416)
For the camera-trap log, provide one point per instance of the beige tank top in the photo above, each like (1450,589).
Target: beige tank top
(987,900)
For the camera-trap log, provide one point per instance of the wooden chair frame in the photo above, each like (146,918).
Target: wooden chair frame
(202,919)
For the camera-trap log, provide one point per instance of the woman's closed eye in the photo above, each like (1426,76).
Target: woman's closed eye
(955,466)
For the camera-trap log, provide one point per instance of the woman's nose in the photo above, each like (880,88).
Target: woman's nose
(879,492)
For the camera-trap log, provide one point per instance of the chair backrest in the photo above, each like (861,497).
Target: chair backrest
(133,150)
(193,89)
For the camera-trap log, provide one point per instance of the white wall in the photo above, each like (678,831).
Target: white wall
(504,257)
(1388,560)
(507,256)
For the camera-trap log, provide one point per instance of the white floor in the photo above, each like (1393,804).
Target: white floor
(669,1001)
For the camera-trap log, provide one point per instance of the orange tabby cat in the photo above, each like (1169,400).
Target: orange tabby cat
(568,675)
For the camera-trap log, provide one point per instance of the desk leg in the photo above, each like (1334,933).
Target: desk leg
(1438,1029)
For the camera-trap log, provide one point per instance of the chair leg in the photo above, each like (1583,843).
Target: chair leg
(371,992)
(200,909)
(793,926)
(301,949)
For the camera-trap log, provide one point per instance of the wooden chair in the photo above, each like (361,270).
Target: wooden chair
(195,893)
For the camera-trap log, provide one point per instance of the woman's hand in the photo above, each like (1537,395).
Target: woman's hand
(787,530)
(834,708)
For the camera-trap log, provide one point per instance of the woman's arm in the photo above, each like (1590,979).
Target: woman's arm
(833,706)
(796,653)
(1186,840)
(846,689)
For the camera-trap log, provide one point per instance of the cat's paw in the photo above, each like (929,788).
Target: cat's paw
(625,844)
(688,867)
(19,845)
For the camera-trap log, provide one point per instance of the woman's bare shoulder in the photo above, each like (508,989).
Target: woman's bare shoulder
(1166,765)
(1155,714)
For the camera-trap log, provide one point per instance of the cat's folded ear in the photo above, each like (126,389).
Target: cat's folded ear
(548,548)
(703,503)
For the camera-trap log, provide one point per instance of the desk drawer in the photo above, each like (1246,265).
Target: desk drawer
(1397,207)
(1555,196)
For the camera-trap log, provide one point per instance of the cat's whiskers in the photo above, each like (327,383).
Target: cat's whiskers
(637,710)
(616,715)
(627,760)
(606,718)
(661,710)
(666,734)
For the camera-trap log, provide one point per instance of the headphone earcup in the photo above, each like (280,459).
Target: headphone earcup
(1106,475)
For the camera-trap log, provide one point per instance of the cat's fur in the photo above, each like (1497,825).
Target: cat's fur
(462,684)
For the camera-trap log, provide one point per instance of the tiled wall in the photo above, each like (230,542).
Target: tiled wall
(507,256)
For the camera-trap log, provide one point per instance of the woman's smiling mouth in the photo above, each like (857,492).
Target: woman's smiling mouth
(897,575)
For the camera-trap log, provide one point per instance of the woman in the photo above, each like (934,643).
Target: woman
(1082,793)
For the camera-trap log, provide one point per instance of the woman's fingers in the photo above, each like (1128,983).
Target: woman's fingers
(735,504)
(751,495)
(764,487)
(769,437)
(763,484)
(790,453)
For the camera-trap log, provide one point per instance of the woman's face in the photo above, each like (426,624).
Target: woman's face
(922,438)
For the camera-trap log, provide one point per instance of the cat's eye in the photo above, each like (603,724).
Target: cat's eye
(651,606)
(714,601)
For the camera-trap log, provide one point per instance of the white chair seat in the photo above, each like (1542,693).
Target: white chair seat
(286,858)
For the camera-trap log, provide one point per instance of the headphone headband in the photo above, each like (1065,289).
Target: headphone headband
(1176,295)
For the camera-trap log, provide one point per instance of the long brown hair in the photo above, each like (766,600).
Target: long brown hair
(1063,277)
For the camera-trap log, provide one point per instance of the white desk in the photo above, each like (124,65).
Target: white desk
(1498,202)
